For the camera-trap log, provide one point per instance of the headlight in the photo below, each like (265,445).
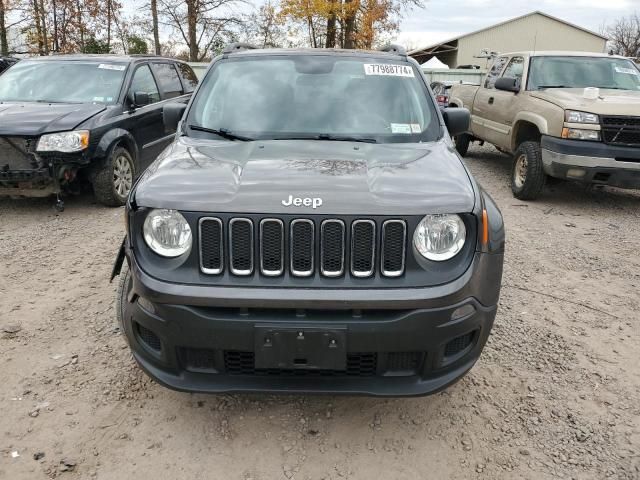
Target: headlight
(581,134)
(440,237)
(66,142)
(571,116)
(167,233)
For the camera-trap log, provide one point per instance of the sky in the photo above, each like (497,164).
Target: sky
(444,19)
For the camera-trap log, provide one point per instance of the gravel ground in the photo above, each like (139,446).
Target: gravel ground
(556,393)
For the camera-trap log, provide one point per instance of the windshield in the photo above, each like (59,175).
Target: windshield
(62,82)
(314,96)
(581,72)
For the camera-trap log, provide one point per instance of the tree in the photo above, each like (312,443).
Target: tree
(201,23)
(93,45)
(154,22)
(4,45)
(137,45)
(266,28)
(624,36)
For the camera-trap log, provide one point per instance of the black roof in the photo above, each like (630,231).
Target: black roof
(106,58)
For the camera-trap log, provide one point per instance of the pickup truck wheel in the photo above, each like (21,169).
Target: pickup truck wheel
(527,174)
(124,287)
(113,182)
(462,143)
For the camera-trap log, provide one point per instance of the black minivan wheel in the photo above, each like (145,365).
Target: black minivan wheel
(527,173)
(462,142)
(113,182)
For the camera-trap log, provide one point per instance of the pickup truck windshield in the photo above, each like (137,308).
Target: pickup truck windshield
(62,82)
(580,72)
(315,97)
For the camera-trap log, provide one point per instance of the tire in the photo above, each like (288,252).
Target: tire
(527,172)
(462,143)
(113,182)
(124,287)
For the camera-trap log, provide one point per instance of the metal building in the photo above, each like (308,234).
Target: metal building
(533,31)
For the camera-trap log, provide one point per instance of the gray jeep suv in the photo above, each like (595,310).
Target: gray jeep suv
(310,229)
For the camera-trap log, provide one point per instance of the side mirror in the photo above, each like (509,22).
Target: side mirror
(457,120)
(140,99)
(172,114)
(508,84)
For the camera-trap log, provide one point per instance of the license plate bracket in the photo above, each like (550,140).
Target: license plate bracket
(300,348)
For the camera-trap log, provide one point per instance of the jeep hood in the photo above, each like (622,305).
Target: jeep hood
(610,102)
(34,119)
(350,178)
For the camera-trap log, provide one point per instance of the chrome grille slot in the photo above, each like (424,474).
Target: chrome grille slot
(332,243)
(363,244)
(271,247)
(241,246)
(394,239)
(302,245)
(211,245)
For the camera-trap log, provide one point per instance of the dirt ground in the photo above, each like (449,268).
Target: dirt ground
(556,393)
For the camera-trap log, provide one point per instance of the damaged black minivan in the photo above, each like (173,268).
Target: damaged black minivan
(97,119)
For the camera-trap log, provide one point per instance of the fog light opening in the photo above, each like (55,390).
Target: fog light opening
(576,173)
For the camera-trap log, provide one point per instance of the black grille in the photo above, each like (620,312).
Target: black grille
(332,248)
(211,245)
(302,245)
(458,344)
(294,244)
(621,130)
(149,338)
(241,241)
(271,247)
(394,233)
(403,361)
(199,359)
(243,363)
(363,238)
(16,154)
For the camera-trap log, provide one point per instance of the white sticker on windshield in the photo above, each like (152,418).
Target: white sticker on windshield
(98,99)
(628,71)
(415,128)
(110,66)
(386,69)
(400,128)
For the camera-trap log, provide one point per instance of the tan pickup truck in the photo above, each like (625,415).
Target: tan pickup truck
(567,115)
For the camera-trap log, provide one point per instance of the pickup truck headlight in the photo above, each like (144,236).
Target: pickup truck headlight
(581,134)
(440,237)
(66,142)
(572,116)
(167,233)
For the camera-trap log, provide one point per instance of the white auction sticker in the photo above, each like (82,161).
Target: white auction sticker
(110,66)
(400,128)
(387,69)
(629,71)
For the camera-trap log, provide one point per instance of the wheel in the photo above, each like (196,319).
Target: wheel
(124,287)
(113,182)
(527,174)
(462,143)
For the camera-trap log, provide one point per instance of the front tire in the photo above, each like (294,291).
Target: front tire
(527,173)
(113,182)
(462,142)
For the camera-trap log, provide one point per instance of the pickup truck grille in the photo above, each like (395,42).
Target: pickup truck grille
(15,154)
(621,130)
(328,247)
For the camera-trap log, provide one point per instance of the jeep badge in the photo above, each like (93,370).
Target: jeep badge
(298,202)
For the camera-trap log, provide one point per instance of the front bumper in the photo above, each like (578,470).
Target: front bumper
(591,162)
(398,341)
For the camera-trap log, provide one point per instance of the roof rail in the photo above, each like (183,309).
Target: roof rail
(237,47)
(393,48)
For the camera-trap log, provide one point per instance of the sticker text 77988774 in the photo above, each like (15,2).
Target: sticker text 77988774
(388,69)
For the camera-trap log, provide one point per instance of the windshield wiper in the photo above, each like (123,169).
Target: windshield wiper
(551,86)
(222,132)
(329,137)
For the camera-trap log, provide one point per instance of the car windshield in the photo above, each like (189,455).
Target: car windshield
(314,96)
(62,82)
(581,72)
